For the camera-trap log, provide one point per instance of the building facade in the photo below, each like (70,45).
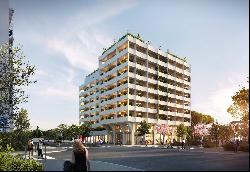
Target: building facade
(136,82)
(6,109)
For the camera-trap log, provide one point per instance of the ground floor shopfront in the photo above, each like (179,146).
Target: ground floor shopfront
(125,133)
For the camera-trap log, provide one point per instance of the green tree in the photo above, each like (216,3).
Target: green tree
(37,133)
(15,74)
(197,117)
(74,131)
(181,131)
(143,129)
(240,109)
(225,133)
(85,129)
(21,120)
(63,129)
(215,132)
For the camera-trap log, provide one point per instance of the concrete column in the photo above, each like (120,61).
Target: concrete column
(113,138)
(132,135)
(123,135)
(154,135)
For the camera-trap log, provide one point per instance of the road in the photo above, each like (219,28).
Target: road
(156,159)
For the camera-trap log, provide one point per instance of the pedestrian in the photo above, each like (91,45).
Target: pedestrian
(80,157)
(39,149)
(237,145)
(30,148)
(182,144)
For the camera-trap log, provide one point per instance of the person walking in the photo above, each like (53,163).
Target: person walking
(30,148)
(237,144)
(80,159)
(39,149)
(183,144)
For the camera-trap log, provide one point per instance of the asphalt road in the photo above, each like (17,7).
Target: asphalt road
(155,159)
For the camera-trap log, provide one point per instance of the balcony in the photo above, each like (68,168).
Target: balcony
(151,90)
(179,97)
(152,100)
(114,70)
(179,106)
(152,81)
(153,71)
(151,59)
(170,66)
(161,63)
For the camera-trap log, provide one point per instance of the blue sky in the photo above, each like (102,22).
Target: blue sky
(63,39)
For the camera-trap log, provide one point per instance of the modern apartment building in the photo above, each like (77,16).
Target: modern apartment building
(136,82)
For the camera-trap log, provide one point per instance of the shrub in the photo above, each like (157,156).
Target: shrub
(244,147)
(209,144)
(176,144)
(228,147)
(9,162)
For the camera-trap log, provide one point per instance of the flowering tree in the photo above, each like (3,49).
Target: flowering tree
(163,129)
(201,129)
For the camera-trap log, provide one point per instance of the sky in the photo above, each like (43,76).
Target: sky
(63,39)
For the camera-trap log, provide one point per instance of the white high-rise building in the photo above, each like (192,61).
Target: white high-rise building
(136,82)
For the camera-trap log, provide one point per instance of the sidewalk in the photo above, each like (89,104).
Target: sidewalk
(57,165)
(49,149)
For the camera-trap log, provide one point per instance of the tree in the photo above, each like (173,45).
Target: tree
(15,73)
(225,133)
(37,132)
(21,120)
(197,117)
(240,109)
(143,129)
(214,132)
(163,130)
(63,129)
(181,131)
(85,129)
(74,131)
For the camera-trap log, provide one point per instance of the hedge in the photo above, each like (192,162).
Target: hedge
(230,147)
(9,162)
(208,144)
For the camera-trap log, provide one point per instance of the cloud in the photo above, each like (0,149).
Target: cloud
(68,51)
(219,100)
(80,42)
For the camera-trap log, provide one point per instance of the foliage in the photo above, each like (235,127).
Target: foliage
(21,120)
(181,131)
(208,144)
(244,147)
(229,146)
(143,128)
(15,139)
(214,132)
(37,133)
(85,129)
(15,73)
(240,109)
(197,117)
(189,135)
(201,129)
(9,162)
(225,133)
